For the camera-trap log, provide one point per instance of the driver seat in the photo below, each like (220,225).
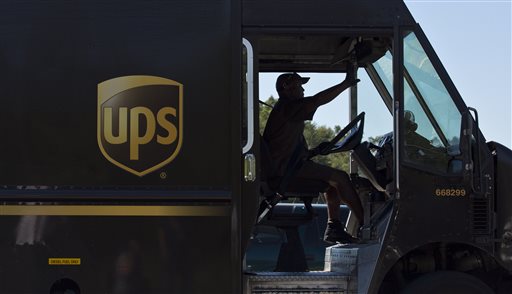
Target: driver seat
(305,189)
(291,254)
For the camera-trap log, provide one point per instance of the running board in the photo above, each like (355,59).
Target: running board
(299,283)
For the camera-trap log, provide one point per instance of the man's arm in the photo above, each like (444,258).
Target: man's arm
(329,94)
(305,108)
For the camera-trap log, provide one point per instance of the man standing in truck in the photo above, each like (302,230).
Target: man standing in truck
(284,136)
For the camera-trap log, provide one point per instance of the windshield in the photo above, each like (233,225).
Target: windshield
(425,94)
(430,95)
(384,68)
(432,121)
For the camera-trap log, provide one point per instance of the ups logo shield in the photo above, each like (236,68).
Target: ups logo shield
(140,122)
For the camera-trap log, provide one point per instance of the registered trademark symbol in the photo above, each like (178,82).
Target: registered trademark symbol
(163,175)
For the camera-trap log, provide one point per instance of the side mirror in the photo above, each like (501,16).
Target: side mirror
(469,127)
(466,137)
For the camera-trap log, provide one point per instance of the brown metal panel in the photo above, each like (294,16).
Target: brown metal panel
(53,56)
(324,13)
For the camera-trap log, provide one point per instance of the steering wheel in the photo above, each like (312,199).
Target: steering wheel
(347,139)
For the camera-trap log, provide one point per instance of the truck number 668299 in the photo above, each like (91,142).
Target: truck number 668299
(450,192)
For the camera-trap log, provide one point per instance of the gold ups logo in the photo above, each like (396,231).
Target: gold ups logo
(140,122)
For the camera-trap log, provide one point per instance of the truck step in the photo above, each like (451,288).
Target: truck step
(299,283)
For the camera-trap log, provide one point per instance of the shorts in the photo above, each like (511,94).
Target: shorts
(314,176)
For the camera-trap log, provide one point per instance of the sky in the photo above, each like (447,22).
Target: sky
(473,40)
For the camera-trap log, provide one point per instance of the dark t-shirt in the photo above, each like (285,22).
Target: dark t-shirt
(285,127)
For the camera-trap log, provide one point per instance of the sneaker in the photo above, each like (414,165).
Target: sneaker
(335,233)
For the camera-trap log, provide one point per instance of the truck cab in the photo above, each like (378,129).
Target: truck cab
(429,184)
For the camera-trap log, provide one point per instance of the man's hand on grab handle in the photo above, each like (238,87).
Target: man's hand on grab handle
(350,78)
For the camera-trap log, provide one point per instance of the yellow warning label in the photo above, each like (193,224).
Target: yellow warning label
(64,261)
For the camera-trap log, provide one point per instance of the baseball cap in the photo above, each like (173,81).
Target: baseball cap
(287,78)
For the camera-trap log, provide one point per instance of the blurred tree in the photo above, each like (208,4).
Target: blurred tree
(265,109)
(314,135)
